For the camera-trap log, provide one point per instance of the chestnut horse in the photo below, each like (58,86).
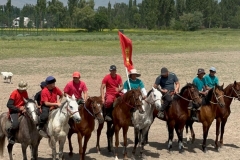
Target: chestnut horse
(122,113)
(89,111)
(230,92)
(207,112)
(178,113)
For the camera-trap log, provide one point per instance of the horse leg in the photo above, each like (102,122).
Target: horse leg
(9,147)
(109,136)
(86,139)
(218,122)
(205,134)
(179,131)
(70,133)
(136,134)
(61,141)
(125,130)
(116,130)
(170,135)
(222,132)
(143,142)
(99,130)
(52,144)
(24,151)
(80,144)
(190,124)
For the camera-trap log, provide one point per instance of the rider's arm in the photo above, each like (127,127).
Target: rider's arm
(10,105)
(85,95)
(120,87)
(102,90)
(177,86)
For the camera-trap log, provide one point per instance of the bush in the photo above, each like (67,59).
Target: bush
(191,21)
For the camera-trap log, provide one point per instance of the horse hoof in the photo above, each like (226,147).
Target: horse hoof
(205,150)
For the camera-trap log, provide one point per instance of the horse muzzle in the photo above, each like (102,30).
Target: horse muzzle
(77,120)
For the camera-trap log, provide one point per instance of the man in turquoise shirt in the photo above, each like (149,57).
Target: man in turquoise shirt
(211,79)
(135,83)
(200,82)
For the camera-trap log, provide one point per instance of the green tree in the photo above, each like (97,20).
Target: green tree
(86,17)
(191,21)
(166,11)
(72,4)
(101,18)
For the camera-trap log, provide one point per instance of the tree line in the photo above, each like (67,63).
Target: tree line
(148,14)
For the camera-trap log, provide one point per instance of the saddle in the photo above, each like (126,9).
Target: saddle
(8,123)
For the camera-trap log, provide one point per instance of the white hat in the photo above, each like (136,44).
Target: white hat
(22,86)
(134,71)
(212,69)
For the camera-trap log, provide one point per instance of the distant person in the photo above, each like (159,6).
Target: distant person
(211,79)
(77,87)
(37,96)
(113,84)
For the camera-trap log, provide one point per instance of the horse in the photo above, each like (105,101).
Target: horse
(142,122)
(26,135)
(222,114)
(207,112)
(57,127)
(90,111)
(122,113)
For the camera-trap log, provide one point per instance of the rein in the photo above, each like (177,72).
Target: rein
(92,114)
(68,110)
(217,98)
(238,95)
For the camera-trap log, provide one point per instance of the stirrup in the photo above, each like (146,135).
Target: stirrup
(11,140)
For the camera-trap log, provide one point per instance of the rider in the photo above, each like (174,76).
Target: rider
(134,82)
(211,79)
(113,84)
(16,106)
(49,102)
(169,84)
(77,87)
(200,82)
(37,96)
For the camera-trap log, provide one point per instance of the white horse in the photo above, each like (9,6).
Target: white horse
(142,122)
(57,128)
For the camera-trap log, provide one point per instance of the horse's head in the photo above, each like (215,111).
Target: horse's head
(154,96)
(219,95)
(96,106)
(136,99)
(190,92)
(72,109)
(236,90)
(31,109)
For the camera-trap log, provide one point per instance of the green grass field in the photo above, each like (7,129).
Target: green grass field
(71,42)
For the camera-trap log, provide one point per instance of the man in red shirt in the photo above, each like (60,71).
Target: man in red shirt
(16,106)
(76,87)
(49,101)
(113,84)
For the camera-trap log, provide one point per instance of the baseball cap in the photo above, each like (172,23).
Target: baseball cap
(76,74)
(212,69)
(112,68)
(43,84)
(200,71)
(50,80)
(164,71)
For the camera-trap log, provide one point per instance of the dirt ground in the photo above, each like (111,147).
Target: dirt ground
(94,68)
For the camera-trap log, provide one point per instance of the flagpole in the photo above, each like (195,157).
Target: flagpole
(128,78)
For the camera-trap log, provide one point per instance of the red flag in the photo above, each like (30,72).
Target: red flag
(126,45)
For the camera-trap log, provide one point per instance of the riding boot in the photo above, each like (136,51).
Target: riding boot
(41,131)
(11,136)
(162,109)
(108,112)
(194,115)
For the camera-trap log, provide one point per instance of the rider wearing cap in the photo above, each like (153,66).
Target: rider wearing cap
(76,87)
(15,105)
(169,84)
(200,82)
(113,84)
(37,96)
(49,101)
(210,79)
(134,82)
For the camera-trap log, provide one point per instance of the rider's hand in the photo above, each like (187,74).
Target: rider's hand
(22,109)
(103,100)
(144,97)
(58,104)
(164,90)
(175,91)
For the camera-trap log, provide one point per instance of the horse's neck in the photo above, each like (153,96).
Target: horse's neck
(87,113)
(149,108)
(62,115)
(228,91)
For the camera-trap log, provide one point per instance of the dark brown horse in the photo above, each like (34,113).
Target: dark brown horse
(27,134)
(122,114)
(89,111)
(207,113)
(178,113)
(230,92)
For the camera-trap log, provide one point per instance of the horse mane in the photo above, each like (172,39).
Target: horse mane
(210,92)
(31,100)
(62,105)
(149,92)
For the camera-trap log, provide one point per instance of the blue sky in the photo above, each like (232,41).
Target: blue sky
(20,3)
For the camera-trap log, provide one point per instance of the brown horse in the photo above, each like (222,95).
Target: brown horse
(230,92)
(89,111)
(207,113)
(178,113)
(27,134)
(122,114)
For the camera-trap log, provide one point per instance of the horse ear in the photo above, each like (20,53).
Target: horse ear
(68,99)
(222,85)
(73,97)
(235,83)
(25,100)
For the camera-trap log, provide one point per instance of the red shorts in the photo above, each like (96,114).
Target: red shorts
(109,99)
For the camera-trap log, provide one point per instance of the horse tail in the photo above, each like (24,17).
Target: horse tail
(2,143)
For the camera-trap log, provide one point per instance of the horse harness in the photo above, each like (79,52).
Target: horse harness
(238,94)
(92,114)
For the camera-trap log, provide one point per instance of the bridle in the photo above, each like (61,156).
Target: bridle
(238,95)
(152,101)
(92,114)
(135,103)
(68,110)
(190,94)
(28,113)
(217,98)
